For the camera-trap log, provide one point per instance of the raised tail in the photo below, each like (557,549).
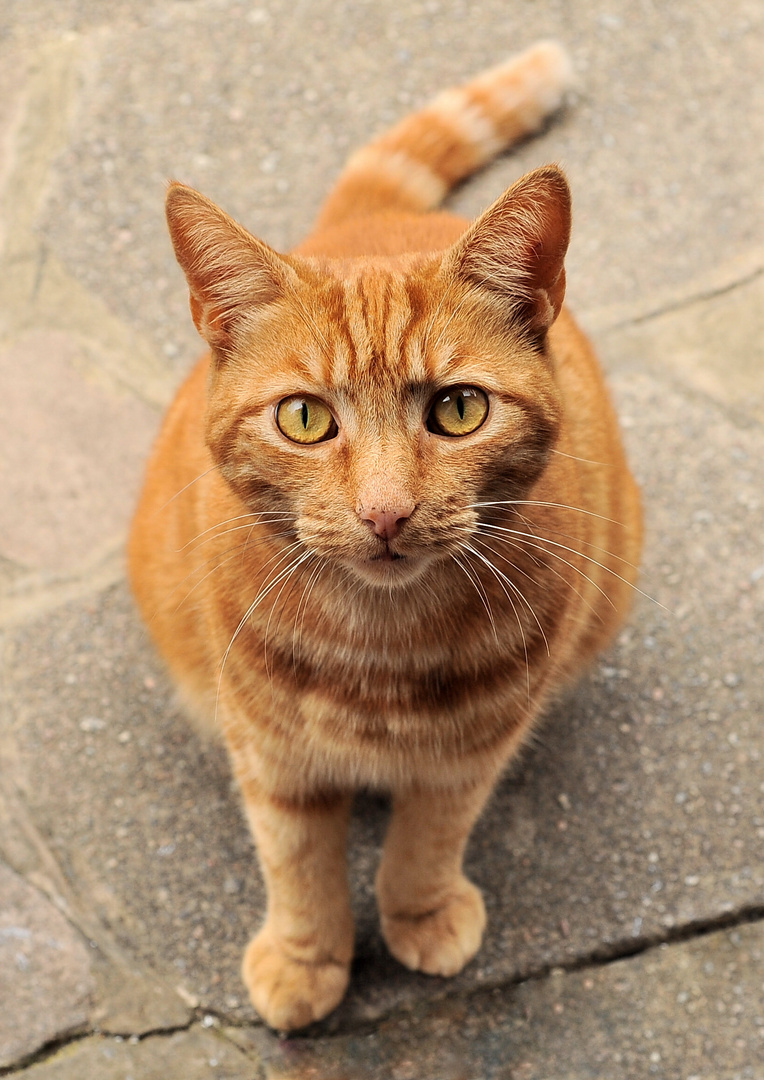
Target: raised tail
(412,166)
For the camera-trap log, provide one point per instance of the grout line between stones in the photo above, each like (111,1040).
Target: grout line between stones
(34,592)
(687,301)
(625,949)
(602,957)
(200,1018)
(607,320)
(50,1049)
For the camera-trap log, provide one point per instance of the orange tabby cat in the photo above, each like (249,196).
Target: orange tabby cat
(387,516)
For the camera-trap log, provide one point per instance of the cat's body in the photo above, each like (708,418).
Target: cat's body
(384,522)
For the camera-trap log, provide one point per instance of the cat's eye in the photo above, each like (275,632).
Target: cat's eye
(460,410)
(305,419)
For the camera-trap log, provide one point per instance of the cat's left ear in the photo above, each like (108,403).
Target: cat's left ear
(516,249)
(229,271)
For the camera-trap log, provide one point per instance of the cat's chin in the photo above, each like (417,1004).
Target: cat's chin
(389,571)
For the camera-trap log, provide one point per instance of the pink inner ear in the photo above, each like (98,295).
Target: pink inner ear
(228,270)
(197,313)
(517,247)
(209,321)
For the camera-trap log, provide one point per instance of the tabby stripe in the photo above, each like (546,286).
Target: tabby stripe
(411,182)
(429,694)
(412,166)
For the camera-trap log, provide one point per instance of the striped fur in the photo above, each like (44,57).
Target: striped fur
(391,606)
(412,166)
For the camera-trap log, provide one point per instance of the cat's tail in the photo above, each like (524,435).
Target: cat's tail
(412,166)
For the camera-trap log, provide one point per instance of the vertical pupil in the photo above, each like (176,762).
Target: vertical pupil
(304,415)
(460,406)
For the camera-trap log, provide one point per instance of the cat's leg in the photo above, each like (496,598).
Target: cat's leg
(297,967)
(432,917)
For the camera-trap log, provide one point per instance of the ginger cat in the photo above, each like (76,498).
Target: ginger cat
(387,517)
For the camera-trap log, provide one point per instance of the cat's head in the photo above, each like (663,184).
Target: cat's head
(380,404)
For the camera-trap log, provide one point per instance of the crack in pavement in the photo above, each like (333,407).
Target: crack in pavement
(722,280)
(207,1019)
(687,301)
(50,1049)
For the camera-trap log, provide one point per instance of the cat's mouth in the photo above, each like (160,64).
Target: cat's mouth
(389,568)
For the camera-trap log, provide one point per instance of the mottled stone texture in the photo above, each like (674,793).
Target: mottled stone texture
(46,985)
(680,1012)
(197,1054)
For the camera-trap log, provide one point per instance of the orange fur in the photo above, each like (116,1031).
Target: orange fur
(394,604)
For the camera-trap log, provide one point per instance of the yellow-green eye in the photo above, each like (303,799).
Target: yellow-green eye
(305,420)
(460,410)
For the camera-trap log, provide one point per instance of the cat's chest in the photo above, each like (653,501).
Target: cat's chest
(358,688)
(378,682)
(366,719)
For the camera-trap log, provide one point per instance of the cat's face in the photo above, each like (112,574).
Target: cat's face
(370,407)
(378,411)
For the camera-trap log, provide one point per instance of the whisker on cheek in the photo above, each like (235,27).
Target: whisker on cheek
(238,550)
(480,590)
(303,607)
(527,538)
(253,518)
(264,591)
(547,569)
(187,487)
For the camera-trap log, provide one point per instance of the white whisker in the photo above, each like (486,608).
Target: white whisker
(533,525)
(262,516)
(586,461)
(303,606)
(524,538)
(262,593)
(539,502)
(499,576)
(250,527)
(187,486)
(503,577)
(479,588)
(236,549)
(519,569)
(287,581)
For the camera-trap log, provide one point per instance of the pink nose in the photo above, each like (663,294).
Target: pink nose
(386,523)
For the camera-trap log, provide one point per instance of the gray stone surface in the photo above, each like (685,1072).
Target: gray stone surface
(46,985)
(75,489)
(713,344)
(693,1011)
(636,818)
(196,1054)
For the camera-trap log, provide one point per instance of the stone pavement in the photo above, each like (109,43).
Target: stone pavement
(622,858)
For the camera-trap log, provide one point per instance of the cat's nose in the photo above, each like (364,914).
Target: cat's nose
(386,523)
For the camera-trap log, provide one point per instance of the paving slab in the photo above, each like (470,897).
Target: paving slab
(46,987)
(712,343)
(196,1054)
(693,1011)
(73,457)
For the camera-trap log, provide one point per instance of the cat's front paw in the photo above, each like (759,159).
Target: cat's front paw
(441,941)
(290,993)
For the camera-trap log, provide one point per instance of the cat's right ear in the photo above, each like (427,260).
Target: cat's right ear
(516,249)
(229,271)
